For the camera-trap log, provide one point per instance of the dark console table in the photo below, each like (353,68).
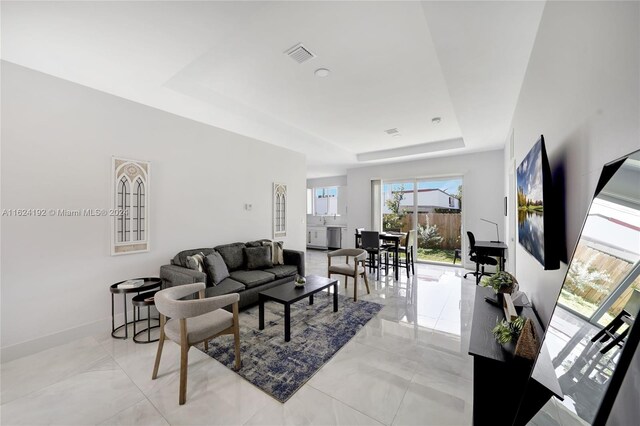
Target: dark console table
(503,392)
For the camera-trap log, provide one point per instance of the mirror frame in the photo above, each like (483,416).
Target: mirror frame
(633,338)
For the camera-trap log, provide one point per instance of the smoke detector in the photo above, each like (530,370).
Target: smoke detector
(436,120)
(299,53)
(392,132)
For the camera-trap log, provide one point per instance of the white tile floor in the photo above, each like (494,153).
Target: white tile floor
(408,365)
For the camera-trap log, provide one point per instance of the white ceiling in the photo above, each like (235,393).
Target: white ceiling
(394,65)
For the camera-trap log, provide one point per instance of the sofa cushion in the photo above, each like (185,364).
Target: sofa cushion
(281,271)
(258,257)
(252,278)
(226,286)
(180,259)
(233,255)
(216,268)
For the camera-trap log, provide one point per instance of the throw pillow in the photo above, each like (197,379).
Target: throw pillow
(278,253)
(196,262)
(216,268)
(258,257)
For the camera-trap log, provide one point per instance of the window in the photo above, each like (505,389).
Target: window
(309,201)
(325,201)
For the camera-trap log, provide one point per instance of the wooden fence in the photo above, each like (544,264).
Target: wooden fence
(449,226)
(615,267)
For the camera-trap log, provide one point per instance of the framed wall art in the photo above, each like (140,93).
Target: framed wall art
(130,183)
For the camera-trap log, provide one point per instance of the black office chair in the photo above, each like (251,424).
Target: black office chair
(370,241)
(479,259)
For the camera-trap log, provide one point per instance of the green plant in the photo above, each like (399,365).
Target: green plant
(583,276)
(501,281)
(393,221)
(505,331)
(429,235)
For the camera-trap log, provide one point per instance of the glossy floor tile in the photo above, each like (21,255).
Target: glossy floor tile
(408,365)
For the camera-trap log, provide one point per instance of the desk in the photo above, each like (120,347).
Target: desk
(490,248)
(391,238)
(496,371)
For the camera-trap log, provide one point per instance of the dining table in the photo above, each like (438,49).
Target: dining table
(389,237)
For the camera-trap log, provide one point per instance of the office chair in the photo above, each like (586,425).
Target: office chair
(478,258)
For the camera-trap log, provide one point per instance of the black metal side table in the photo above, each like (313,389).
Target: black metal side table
(150,283)
(141,300)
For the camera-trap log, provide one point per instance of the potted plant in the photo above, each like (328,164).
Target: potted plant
(506,331)
(501,282)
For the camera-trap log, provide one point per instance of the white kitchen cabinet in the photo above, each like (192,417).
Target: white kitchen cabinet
(317,237)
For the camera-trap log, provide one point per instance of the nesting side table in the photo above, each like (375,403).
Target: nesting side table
(150,283)
(142,300)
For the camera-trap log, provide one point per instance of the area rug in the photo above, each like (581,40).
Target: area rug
(280,368)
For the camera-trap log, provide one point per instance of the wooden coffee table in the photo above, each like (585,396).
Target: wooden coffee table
(288,293)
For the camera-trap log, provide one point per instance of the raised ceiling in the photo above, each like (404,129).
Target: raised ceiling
(393,65)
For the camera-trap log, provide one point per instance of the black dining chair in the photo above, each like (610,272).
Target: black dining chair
(406,248)
(370,241)
(358,237)
(479,259)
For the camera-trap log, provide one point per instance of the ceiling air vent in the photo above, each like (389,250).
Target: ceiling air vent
(392,132)
(299,53)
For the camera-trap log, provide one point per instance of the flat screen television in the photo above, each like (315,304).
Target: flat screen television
(535,207)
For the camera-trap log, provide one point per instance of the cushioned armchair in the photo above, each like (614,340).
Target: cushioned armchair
(192,322)
(350,270)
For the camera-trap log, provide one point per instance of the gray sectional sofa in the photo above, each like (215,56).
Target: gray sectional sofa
(246,282)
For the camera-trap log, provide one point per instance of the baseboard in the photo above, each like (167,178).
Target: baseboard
(30,347)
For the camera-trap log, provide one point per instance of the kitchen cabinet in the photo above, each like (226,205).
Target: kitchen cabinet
(317,236)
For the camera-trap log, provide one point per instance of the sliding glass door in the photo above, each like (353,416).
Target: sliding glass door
(431,207)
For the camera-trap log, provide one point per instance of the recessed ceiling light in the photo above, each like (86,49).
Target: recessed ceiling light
(436,120)
(322,72)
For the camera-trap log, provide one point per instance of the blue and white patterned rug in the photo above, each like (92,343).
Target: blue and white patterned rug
(280,368)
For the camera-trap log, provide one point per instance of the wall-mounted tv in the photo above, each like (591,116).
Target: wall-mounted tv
(535,207)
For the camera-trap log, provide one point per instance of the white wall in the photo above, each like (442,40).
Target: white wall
(582,91)
(57,141)
(482,186)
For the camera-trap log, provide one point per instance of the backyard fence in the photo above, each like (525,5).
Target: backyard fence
(615,267)
(448,226)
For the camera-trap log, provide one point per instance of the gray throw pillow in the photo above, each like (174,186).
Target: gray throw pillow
(216,268)
(258,257)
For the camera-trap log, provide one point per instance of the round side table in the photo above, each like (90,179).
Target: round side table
(150,283)
(141,300)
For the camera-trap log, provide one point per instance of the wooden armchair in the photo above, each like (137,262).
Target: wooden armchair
(194,321)
(350,270)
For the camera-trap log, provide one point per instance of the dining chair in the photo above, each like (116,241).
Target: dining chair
(358,236)
(371,243)
(348,270)
(194,321)
(478,258)
(407,249)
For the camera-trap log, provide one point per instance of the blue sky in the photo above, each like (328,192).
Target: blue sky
(449,186)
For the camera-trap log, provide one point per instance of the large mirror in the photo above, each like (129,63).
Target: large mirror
(593,322)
